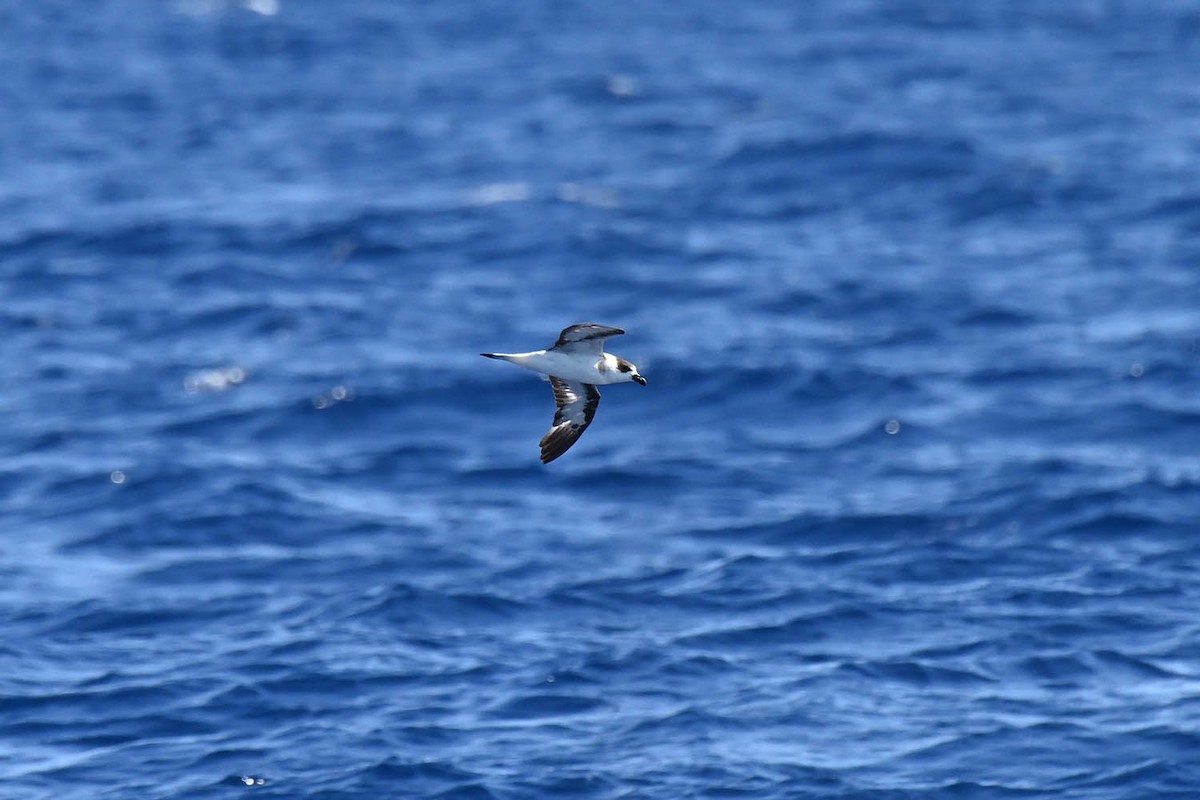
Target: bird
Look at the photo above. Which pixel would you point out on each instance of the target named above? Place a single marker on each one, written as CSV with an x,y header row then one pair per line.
x,y
576,364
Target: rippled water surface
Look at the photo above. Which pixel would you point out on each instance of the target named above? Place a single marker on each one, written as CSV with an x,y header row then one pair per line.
x,y
907,510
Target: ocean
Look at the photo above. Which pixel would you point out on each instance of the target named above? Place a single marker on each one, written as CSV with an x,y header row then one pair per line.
x,y
907,511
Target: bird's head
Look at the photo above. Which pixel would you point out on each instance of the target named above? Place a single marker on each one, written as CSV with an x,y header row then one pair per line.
x,y
629,370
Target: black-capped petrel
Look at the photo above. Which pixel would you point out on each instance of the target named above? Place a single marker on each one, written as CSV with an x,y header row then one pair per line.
x,y
575,365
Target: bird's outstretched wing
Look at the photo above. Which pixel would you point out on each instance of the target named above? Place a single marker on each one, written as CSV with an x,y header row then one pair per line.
x,y
585,337
576,406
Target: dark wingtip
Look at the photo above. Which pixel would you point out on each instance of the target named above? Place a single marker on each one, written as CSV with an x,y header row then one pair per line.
x,y
556,442
551,452
489,355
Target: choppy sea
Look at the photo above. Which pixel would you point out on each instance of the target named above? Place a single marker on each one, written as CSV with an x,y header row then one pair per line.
x,y
908,510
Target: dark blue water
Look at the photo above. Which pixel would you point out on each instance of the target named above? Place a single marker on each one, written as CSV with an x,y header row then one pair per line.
x,y
908,509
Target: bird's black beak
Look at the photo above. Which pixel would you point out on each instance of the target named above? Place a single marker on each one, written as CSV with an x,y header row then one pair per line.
x,y
640,379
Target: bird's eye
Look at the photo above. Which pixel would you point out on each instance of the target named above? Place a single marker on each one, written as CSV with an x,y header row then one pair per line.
x,y
623,367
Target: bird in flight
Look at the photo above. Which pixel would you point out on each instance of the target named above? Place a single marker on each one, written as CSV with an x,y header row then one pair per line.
x,y
576,364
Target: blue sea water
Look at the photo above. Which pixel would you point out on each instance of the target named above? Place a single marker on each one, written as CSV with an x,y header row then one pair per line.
x,y
908,509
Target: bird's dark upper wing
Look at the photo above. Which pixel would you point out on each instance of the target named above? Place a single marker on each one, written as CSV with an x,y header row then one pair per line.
x,y
576,406
585,337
